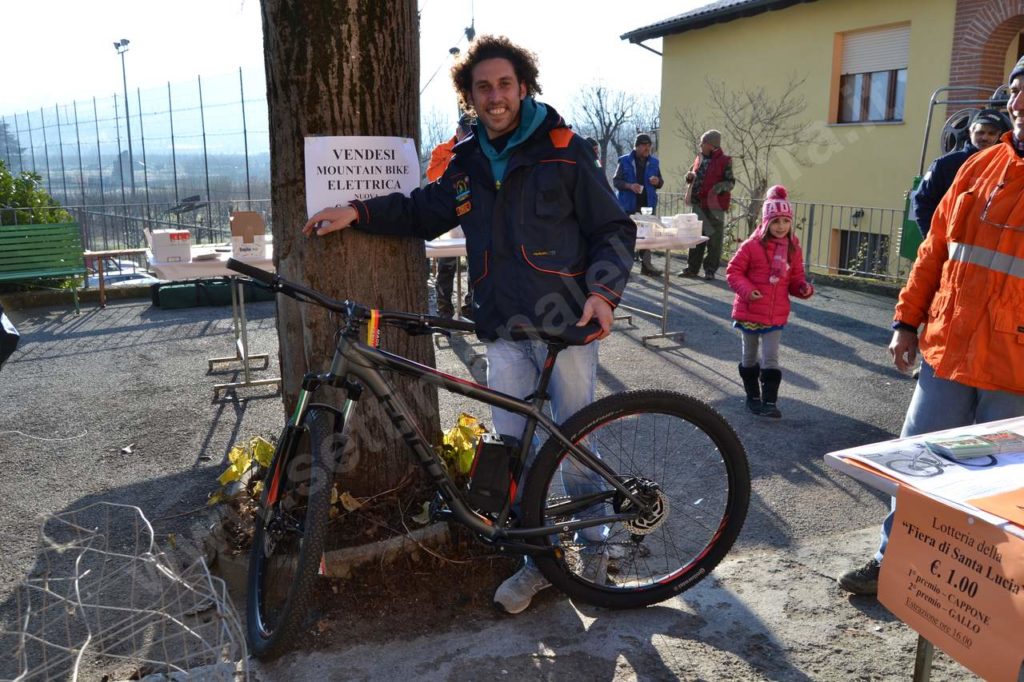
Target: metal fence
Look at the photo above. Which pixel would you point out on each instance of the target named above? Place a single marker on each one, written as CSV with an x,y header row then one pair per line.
x,y
837,240
188,154
203,138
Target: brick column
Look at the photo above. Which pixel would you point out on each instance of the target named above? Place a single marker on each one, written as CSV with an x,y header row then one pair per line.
x,y
982,33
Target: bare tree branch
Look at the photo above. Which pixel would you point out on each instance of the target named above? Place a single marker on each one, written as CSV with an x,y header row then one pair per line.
x,y
602,113
756,126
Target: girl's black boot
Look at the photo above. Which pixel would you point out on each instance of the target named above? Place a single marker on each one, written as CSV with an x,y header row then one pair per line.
x,y
750,385
770,380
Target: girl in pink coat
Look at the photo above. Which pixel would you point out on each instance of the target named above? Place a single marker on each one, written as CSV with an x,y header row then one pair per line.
x,y
764,272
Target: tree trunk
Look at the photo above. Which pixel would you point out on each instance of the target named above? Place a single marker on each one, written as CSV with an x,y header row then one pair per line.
x,y
345,68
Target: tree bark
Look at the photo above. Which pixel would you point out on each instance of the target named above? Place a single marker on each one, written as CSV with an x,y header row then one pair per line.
x,y
345,68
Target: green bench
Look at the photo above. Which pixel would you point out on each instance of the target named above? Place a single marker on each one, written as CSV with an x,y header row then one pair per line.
x,y
30,252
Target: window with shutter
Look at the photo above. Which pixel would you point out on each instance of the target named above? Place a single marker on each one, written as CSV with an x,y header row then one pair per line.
x,y
873,74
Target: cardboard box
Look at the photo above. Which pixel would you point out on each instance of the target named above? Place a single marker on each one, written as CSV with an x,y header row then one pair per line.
x,y
170,246
248,235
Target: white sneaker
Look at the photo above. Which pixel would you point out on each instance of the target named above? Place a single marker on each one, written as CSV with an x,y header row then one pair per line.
x,y
515,594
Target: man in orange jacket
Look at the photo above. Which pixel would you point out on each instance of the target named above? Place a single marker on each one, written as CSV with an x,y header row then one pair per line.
x,y
447,267
967,289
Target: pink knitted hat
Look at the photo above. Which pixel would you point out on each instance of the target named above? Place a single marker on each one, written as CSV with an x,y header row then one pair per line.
x,y
776,205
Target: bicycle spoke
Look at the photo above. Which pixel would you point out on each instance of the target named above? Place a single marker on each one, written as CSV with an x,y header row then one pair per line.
x,y
688,512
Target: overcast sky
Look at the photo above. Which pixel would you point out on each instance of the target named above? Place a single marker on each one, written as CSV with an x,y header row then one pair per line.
x,y
57,51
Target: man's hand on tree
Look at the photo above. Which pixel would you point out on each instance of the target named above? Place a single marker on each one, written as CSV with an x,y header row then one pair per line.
x,y
600,311
330,220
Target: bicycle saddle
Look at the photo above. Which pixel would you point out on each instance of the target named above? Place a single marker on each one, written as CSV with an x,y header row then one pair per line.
x,y
569,336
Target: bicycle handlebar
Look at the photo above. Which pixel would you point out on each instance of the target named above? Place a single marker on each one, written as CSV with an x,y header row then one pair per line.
x,y
252,271
410,322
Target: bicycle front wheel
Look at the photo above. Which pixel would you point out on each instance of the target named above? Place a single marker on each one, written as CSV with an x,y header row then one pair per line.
x,y
675,453
288,542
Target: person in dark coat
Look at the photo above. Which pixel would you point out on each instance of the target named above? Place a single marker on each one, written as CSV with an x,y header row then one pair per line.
x,y
985,129
548,245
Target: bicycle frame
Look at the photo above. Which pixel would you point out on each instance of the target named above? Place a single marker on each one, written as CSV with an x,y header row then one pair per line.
x,y
363,363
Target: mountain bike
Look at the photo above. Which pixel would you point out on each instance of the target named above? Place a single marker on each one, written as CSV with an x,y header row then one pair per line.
x,y
658,477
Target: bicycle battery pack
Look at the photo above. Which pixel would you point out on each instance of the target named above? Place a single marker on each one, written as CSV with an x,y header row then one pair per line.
x,y
490,479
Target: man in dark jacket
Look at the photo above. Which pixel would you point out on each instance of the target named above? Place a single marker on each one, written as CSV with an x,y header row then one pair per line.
x,y
547,244
638,179
711,182
986,127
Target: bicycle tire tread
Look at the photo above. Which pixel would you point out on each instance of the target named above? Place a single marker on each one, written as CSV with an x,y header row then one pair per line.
x,y
300,594
699,413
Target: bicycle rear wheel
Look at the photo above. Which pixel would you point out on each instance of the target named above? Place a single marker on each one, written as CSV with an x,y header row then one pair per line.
x,y
673,451
288,542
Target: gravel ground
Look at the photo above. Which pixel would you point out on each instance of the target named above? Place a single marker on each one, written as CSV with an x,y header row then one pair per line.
x,y
81,389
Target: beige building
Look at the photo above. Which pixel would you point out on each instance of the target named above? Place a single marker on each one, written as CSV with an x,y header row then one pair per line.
x,y
868,70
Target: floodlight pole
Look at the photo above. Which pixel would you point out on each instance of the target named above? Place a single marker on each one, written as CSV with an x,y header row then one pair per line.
x,y
122,46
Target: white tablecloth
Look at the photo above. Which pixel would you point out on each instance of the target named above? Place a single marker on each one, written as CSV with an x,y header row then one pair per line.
x,y
212,262
447,248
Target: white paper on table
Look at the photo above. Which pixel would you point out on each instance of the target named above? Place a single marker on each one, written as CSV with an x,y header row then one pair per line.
x,y
340,169
909,460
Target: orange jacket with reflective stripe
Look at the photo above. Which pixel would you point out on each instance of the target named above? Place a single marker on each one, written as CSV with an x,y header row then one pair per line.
x,y
967,284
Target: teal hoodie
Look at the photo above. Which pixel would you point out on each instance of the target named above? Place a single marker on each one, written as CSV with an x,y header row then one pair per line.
x,y
531,115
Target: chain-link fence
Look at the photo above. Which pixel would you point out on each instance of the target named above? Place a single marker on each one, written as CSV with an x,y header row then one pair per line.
x,y
206,139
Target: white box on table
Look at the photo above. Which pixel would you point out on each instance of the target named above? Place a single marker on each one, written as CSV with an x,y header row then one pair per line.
x,y
170,246
248,235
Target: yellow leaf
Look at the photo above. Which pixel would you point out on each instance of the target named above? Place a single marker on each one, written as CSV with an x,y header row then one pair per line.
x,y
262,451
468,420
257,489
465,461
236,454
215,498
349,503
172,540
232,473
460,442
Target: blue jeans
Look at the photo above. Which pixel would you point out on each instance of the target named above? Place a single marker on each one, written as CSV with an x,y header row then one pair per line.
x,y
940,404
513,367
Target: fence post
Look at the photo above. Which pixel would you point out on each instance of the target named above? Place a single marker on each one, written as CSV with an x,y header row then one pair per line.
x,y
78,142
120,165
46,150
206,162
174,156
810,235
99,163
245,137
60,145
17,133
7,145
145,166
31,142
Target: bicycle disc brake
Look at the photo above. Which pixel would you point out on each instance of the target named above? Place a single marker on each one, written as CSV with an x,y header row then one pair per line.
x,y
653,498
